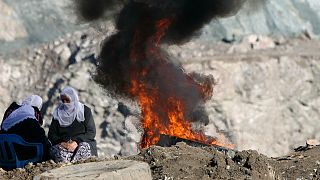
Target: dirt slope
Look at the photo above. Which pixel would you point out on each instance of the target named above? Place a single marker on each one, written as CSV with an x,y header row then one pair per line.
x,y
185,162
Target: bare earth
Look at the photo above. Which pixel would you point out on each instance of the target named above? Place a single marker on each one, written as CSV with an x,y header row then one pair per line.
x,y
185,162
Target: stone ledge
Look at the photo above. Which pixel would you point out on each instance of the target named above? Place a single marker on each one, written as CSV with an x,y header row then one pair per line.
x,y
115,170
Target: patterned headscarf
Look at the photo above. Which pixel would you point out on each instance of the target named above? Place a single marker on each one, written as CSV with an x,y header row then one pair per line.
x,y
66,113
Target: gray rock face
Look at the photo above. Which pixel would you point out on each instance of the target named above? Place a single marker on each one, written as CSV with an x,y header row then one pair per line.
x,y
11,26
277,18
36,21
265,99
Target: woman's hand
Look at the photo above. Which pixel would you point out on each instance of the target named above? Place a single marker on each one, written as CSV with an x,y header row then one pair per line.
x,y
64,145
70,146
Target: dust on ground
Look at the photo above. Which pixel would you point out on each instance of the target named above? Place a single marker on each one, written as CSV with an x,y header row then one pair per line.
x,y
186,162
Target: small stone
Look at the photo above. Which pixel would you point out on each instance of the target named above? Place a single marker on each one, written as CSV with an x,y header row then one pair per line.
x,y
56,43
86,43
116,157
231,154
66,53
29,165
312,142
52,161
20,169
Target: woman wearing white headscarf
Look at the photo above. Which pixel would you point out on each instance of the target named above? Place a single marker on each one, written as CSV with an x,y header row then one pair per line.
x,y
72,130
29,108
25,120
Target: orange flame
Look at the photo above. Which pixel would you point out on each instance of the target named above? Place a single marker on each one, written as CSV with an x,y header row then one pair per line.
x,y
162,116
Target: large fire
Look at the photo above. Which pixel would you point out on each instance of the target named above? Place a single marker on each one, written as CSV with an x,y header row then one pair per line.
x,y
132,64
163,114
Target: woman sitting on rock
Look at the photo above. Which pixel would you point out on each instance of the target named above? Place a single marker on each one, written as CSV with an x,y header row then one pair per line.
x,y
72,130
25,120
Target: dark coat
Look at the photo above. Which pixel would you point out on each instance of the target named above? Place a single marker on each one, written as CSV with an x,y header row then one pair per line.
x,y
78,131
30,130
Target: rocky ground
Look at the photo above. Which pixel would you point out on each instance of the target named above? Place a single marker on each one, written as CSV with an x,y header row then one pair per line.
x,y
185,162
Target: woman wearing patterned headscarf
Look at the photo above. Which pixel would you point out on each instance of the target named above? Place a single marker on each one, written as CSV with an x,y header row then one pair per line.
x,y
72,130
25,120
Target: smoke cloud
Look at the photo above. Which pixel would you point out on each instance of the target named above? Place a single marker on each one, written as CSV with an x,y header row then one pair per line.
x,y
90,10
187,17
133,54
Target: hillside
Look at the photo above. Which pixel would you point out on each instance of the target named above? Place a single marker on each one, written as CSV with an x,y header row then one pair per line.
x,y
266,96
266,89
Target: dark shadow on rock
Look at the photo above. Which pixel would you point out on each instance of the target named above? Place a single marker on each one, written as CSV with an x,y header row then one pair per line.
x,y
123,109
104,126
91,58
50,94
75,50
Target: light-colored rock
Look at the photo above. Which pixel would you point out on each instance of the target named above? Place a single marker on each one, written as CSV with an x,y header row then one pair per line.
x,y
64,52
268,19
313,142
80,82
11,26
113,170
132,124
262,98
129,148
109,146
252,42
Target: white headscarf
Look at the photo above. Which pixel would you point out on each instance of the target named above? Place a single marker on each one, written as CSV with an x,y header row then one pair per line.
x,y
33,100
25,111
66,113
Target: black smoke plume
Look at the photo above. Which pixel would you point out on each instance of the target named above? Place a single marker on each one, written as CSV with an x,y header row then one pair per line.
x,y
187,16
134,51
93,9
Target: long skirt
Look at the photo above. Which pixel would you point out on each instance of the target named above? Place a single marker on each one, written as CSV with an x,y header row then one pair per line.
x,y
60,154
